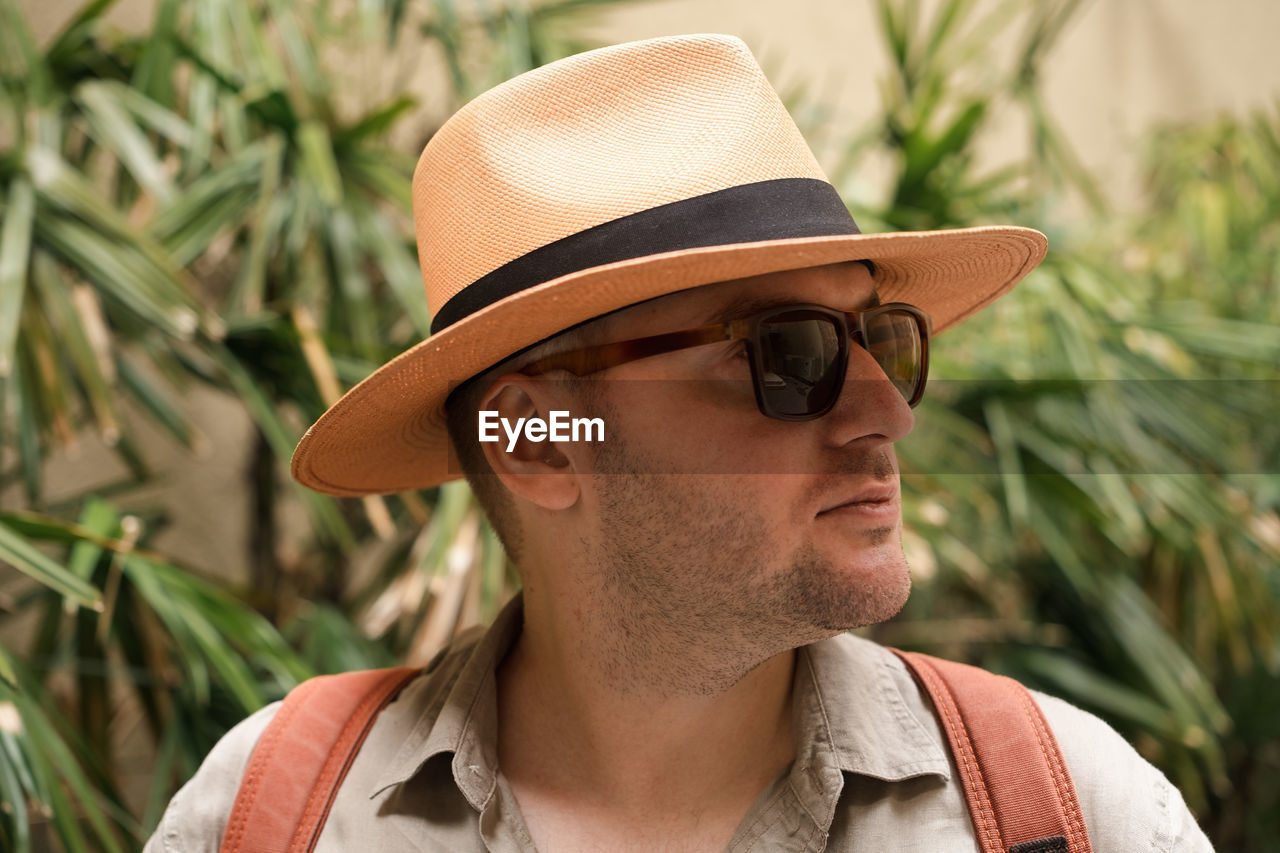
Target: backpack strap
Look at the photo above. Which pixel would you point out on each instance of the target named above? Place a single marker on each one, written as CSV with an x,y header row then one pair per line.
x,y
301,759
1015,780
1020,795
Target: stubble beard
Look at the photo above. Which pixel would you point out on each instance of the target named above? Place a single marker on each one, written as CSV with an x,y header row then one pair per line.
x,y
691,596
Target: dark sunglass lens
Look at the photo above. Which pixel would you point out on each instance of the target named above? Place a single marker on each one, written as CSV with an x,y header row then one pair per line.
x,y
894,341
799,360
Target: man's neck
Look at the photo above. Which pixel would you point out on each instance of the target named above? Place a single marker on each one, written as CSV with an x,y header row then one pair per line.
x,y
578,736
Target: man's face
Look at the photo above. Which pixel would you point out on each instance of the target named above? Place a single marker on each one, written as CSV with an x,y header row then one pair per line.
x,y
776,533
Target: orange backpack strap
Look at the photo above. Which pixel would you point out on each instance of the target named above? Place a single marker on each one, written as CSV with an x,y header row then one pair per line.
x,y
301,759
1020,795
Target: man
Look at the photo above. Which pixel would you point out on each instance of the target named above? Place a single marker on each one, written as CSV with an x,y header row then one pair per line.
x,y
639,235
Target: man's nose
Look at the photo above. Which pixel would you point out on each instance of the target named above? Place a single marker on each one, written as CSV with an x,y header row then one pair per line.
x,y
870,405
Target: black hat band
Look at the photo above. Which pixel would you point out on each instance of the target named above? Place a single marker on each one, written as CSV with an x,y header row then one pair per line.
x,y
785,208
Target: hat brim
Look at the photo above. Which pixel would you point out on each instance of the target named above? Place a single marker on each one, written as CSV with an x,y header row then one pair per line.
x,y
387,434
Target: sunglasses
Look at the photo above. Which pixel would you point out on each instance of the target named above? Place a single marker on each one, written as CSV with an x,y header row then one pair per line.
x,y
798,353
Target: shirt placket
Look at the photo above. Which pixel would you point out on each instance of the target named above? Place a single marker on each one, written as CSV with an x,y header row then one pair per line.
x,y
795,814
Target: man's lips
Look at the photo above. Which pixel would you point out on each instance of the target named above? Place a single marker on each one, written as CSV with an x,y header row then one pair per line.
x,y
875,496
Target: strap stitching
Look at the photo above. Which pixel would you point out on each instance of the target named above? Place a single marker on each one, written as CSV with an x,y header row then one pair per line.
x,y
248,794
1067,800
1065,792
974,780
323,793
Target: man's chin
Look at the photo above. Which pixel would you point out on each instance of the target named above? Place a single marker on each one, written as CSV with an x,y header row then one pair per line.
x,y
832,598
873,584
868,610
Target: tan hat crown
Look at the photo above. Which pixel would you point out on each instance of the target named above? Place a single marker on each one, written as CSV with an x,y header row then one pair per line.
x,y
600,181
592,138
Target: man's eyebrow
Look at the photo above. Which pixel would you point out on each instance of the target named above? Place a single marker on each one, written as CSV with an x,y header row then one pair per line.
x,y
746,307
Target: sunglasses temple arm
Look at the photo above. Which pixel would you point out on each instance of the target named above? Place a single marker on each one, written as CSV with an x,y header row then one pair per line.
x,y
583,362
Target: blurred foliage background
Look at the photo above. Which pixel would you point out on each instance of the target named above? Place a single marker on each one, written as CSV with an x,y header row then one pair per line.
x,y
1091,491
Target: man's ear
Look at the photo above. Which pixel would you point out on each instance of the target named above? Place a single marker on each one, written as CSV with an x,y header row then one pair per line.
x,y
538,471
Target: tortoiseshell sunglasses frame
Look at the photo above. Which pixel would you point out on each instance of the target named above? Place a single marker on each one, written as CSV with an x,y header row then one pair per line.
x,y
593,359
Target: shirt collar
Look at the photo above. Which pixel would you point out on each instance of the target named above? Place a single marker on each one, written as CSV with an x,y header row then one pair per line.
x,y
858,697
850,715
460,711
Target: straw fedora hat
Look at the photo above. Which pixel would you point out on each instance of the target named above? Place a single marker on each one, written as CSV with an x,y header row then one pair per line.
x,y
600,181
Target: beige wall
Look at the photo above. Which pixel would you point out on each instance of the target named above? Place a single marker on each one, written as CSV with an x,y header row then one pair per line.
x,y
1122,66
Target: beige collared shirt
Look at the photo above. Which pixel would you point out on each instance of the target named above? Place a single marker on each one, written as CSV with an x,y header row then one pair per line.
x,y
871,773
